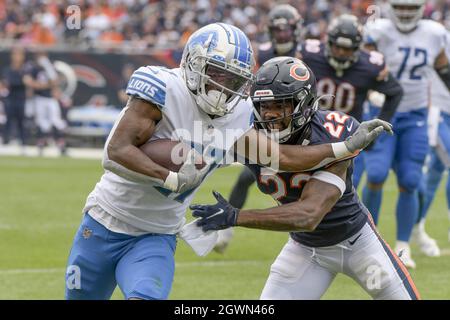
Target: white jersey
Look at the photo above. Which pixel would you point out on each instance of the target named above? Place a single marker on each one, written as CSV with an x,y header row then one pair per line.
x,y
440,95
409,56
148,206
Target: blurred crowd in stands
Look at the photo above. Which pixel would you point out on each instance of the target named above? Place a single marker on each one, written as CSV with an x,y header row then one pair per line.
x,y
28,28
138,25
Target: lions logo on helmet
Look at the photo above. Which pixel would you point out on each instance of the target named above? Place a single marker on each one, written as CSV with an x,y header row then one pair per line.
x,y
217,66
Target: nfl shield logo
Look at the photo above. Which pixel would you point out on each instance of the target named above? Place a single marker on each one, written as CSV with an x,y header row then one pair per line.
x,y
87,233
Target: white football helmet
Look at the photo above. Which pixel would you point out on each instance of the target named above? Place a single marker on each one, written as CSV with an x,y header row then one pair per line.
x,y
217,65
406,13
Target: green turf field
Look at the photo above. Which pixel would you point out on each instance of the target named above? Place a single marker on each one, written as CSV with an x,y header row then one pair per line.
x,y
41,202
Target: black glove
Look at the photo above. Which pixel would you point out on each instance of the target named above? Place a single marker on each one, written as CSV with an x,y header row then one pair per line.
x,y
221,215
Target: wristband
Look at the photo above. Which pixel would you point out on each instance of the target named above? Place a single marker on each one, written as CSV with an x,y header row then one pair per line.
x,y
340,150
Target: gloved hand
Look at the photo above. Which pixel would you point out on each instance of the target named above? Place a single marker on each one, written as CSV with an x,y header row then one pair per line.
x,y
367,132
221,215
188,177
370,146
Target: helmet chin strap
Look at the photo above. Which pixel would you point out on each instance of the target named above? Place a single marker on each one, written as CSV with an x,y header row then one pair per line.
x,y
279,136
214,103
284,134
283,48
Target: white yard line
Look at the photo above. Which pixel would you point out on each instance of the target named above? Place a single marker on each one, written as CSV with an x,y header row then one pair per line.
x,y
207,264
6,272
51,152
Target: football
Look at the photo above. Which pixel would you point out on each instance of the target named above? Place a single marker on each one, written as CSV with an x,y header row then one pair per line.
x,y
168,153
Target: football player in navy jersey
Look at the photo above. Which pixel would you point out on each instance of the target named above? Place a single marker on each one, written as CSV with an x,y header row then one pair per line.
x,y
284,32
330,229
345,73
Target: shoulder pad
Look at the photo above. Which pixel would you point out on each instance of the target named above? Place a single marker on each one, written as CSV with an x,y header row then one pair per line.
x,y
149,83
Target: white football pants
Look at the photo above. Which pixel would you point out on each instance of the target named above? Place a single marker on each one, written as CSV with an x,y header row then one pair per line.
x,y
48,114
302,272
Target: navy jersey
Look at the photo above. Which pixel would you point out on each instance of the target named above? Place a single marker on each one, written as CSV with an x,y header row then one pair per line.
x,y
39,74
13,80
348,215
266,51
348,92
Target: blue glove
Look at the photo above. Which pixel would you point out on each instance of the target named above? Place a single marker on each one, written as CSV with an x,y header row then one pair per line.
x,y
221,215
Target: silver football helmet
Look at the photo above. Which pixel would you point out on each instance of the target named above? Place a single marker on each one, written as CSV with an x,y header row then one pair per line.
x,y
406,13
217,65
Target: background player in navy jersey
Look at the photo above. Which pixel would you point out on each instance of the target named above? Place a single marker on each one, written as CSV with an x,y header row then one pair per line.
x,y
43,79
284,32
345,73
330,229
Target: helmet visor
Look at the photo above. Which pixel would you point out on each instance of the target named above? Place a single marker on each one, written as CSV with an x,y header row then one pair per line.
x,y
282,33
221,79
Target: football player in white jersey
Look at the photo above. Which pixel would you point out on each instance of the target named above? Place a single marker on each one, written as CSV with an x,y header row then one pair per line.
x,y
439,160
133,215
412,46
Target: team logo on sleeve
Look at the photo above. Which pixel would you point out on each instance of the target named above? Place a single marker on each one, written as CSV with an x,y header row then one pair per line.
x,y
299,72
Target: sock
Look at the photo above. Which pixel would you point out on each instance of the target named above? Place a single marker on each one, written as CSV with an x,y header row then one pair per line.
x,y
422,198
407,212
400,246
372,200
432,179
421,225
